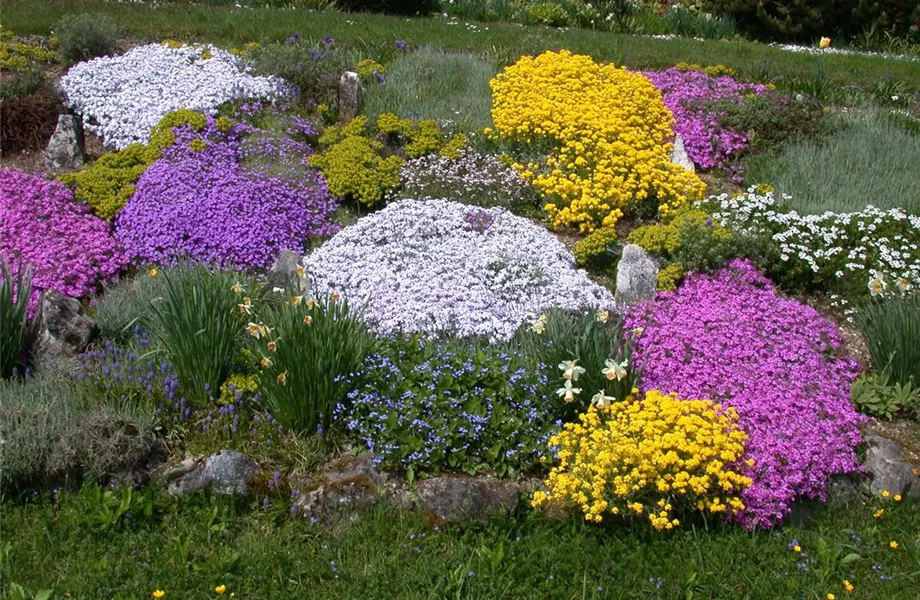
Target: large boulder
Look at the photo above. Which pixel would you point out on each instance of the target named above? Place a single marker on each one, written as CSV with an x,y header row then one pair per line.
x,y
226,472
637,276
61,330
889,470
463,500
65,149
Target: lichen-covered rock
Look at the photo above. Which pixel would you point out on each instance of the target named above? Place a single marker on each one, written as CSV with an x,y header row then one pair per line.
x,y
637,276
463,500
65,149
61,328
352,481
889,470
226,472
284,273
351,95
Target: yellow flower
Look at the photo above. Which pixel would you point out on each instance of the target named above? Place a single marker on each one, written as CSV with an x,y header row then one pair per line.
x,y
796,548
897,497
154,272
893,544
158,593
603,315
220,589
831,597
273,345
295,300
885,493
245,307
282,378
265,362
300,271
847,585
824,43
879,513
336,297
307,320
254,330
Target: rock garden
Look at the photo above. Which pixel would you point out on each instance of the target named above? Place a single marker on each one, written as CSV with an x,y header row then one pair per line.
x,y
476,300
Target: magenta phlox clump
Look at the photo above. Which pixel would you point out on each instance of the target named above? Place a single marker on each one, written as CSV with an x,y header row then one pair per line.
x,y
730,337
686,93
65,246
201,202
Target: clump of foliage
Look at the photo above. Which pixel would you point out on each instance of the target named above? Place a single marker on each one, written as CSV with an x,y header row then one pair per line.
x,y
361,160
85,36
598,249
651,455
875,396
30,111
306,348
425,407
15,290
198,327
586,180
771,119
23,55
891,326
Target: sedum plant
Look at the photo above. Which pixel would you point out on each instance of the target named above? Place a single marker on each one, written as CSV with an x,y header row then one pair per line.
x,y
14,315
650,455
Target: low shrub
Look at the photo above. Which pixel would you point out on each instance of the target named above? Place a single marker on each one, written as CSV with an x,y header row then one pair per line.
x,y
121,98
873,395
426,407
313,70
586,180
731,338
126,303
306,348
43,229
421,266
198,328
471,178
891,327
391,7
30,111
51,436
771,119
199,202
15,291
85,36
652,455
18,55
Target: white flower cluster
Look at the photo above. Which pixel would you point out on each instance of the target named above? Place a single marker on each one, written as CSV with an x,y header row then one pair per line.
x,y
121,97
419,266
874,243
845,51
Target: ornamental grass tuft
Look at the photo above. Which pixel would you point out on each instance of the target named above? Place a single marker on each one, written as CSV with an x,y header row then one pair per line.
x,y
14,316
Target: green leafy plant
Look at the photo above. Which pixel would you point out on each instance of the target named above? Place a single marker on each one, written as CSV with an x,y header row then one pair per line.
x,y
14,315
306,347
891,326
198,327
873,395
86,36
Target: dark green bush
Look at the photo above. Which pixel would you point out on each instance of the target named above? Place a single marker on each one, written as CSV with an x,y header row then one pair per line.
x,y
390,7
773,118
85,36
808,20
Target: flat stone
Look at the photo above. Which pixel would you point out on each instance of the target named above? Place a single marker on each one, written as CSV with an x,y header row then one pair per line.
x,y
65,149
637,276
463,500
889,470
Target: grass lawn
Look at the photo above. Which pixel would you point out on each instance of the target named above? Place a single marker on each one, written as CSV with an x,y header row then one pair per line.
x,y
80,547
827,76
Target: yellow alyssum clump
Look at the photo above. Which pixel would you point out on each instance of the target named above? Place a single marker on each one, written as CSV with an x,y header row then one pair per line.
x,y
610,130
646,455
367,67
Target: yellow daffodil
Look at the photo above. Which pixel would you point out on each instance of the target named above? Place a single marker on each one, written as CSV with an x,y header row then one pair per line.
x,y
904,284
603,315
245,307
568,392
220,589
824,43
236,288
265,362
282,378
538,326
307,320
295,300
615,370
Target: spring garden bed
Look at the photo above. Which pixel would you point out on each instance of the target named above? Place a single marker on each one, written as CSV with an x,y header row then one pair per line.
x,y
442,301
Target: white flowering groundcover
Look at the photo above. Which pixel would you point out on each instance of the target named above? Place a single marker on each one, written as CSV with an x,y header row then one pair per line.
x,y
121,97
435,265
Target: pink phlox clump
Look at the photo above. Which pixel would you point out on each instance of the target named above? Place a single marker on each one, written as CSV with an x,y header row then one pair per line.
x,y
730,337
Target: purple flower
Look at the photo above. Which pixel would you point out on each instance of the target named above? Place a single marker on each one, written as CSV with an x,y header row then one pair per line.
x,y
401,45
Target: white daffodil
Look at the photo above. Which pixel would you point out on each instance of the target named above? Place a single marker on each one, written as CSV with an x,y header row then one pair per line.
x,y
254,330
570,370
603,315
237,288
904,285
877,285
538,326
246,306
602,400
568,392
615,370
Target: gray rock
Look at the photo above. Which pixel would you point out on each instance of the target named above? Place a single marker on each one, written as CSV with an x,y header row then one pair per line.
x,y
62,330
843,490
888,469
65,150
283,273
462,500
353,482
351,96
226,472
679,155
637,276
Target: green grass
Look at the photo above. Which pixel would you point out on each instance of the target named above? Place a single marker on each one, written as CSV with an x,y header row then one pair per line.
x,y
86,547
375,34
870,161
433,84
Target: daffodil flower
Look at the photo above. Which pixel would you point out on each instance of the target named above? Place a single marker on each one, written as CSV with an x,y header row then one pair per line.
x,y
307,320
603,315
282,378
265,362
601,400
568,392
615,370
254,330
273,345
903,284
311,303
300,271
570,370
877,285
237,288
295,300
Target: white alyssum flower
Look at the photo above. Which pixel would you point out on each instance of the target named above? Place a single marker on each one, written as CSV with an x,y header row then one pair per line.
x,y
417,266
121,97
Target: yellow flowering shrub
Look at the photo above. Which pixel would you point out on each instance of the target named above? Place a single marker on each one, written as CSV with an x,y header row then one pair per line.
x,y
593,247
368,67
237,383
609,129
668,277
712,70
649,456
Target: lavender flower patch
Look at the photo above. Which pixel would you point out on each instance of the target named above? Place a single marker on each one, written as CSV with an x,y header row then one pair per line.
x,y
473,178
121,97
200,202
418,266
